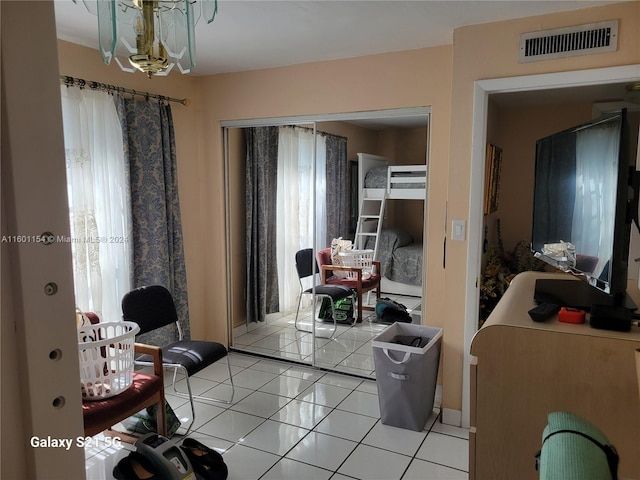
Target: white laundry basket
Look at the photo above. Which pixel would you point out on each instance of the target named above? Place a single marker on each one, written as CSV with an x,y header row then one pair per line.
x,y
358,258
106,358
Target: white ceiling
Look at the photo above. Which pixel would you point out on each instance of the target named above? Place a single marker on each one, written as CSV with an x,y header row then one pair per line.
x,y
249,35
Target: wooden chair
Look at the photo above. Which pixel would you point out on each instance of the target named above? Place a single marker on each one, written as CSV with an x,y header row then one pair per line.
x,y
359,285
146,390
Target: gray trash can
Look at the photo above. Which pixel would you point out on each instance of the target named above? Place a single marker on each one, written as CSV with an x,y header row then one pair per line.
x,y
406,375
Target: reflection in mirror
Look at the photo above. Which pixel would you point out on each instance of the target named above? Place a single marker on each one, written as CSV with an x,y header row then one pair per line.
x,y
275,209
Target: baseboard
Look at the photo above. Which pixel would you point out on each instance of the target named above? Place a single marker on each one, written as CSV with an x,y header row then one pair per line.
x,y
452,417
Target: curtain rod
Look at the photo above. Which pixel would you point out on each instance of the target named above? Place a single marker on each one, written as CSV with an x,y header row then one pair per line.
x,y
319,132
104,87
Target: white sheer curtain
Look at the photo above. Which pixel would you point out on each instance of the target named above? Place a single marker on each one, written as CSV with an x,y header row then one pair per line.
x,y
98,201
295,215
596,178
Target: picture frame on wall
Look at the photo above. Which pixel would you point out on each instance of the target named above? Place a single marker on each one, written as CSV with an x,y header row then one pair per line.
x,y
492,179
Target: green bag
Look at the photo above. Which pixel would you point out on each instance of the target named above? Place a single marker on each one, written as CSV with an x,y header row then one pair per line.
x,y
343,308
145,420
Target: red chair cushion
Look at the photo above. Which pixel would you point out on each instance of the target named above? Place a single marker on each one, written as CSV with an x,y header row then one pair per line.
x,y
143,388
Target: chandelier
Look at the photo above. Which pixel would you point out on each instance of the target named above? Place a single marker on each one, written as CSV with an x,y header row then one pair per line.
x,y
152,36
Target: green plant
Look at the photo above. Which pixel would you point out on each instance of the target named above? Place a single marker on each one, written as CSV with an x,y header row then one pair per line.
x,y
500,269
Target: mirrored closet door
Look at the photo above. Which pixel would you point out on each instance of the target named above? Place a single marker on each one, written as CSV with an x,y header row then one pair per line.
x,y
292,187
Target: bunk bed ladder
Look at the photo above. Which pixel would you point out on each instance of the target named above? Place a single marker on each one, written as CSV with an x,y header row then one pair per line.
x,y
370,222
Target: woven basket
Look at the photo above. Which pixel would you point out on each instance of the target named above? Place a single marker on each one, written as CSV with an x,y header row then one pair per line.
x,y
106,358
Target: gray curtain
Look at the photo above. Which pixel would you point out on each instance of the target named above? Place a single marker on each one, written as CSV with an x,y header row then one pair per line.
x,y
337,175
158,254
552,224
261,196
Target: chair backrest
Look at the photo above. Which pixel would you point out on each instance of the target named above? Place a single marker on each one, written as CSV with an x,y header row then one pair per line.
x,y
324,258
150,307
304,263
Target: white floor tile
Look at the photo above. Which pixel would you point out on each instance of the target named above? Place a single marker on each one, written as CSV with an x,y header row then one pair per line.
x,y
286,386
247,339
450,430
271,366
321,450
231,426
399,440
340,380
445,450
303,414
290,421
241,360
305,373
204,413
344,344
198,385
223,391
287,469
359,361
252,379
260,351
275,437
346,425
368,386
327,395
371,463
260,404
423,470
269,329
330,357
362,403
218,372
245,463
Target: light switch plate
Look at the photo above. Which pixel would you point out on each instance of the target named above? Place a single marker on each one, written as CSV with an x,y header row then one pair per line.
x,y
458,229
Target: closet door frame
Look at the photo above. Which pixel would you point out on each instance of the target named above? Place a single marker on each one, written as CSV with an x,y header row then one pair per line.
x,y
371,115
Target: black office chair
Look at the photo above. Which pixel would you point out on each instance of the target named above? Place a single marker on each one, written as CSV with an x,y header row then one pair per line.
x,y
152,307
305,262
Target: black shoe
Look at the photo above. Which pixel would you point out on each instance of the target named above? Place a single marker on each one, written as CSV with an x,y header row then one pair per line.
x,y
135,466
207,463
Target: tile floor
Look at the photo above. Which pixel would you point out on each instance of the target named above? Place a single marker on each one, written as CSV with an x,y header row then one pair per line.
x,y
349,350
294,422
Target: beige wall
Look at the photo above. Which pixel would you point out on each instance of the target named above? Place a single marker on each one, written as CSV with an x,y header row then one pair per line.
x,y
360,140
352,85
440,77
498,43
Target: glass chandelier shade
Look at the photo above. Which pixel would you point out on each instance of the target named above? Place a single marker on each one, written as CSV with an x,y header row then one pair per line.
x,y
152,36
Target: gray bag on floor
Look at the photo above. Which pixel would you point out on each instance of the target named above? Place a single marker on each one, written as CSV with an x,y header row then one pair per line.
x,y
406,375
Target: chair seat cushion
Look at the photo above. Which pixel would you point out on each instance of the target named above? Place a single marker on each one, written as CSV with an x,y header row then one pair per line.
x,y
143,388
193,355
336,292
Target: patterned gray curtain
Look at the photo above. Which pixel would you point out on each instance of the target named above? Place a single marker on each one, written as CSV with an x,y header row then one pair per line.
x,y
261,198
337,188
158,254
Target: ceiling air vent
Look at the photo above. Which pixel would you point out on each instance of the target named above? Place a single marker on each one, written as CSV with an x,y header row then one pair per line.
x,y
569,42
